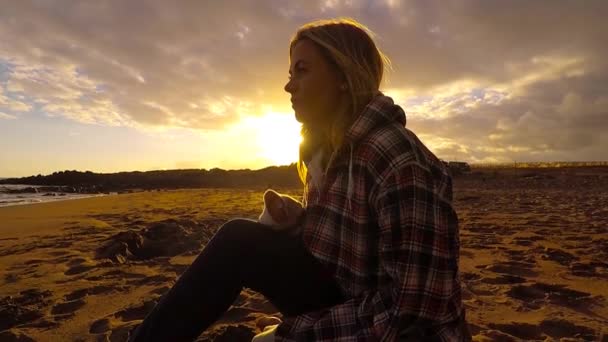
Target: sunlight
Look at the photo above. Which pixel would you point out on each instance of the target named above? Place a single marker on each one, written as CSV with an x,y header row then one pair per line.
x,y
277,136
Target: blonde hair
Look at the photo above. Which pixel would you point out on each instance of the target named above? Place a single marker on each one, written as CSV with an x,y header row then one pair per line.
x,y
349,47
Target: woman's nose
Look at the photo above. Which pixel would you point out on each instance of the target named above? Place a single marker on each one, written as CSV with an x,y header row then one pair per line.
x,y
290,86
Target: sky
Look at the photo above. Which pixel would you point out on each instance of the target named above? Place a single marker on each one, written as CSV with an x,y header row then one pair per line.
x,y
112,86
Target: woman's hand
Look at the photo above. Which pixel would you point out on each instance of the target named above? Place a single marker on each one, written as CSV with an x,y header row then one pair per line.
x,y
266,321
268,325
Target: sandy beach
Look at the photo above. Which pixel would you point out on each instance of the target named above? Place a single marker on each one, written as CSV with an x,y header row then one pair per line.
x,y
534,258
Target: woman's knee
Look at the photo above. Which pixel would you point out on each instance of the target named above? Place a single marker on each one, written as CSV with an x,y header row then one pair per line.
x,y
228,243
237,230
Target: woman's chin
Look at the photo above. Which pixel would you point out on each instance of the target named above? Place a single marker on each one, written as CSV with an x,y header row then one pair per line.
x,y
304,117
299,117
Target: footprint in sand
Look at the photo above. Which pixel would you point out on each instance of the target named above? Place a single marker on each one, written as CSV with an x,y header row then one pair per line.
x,y
117,326
11,278
95,290
67,308
79,265
178,269
27,269
58,253
559,328
521,256
525,241
12,315
79,269
23,309
559,256
110,332
469,276
137,312
117,275
161,290
504,279
100,326
524,331
481,241
16,336
34,262
518,268
536,295
553,328
158,279
590,269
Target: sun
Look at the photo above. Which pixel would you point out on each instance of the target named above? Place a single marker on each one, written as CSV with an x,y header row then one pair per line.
x,y
277,136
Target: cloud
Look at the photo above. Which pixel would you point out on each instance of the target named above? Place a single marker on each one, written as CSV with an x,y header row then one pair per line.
x,y
481,80
11,103
119,58
7,116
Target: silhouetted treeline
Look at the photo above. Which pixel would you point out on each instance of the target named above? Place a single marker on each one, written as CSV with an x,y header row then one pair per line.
x,y
274,176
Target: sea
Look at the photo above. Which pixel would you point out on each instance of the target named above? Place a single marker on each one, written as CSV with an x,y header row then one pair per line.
x,y
7,199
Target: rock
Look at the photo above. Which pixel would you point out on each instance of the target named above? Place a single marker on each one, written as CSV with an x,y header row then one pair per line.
x,y
121,246
116,251
166,230
160,239
28,190
133,239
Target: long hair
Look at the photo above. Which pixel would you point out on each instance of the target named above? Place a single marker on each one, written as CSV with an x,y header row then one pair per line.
x,y
348,46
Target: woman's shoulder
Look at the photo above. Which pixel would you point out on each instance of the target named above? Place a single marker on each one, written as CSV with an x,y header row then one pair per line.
x,y
389,141
395,145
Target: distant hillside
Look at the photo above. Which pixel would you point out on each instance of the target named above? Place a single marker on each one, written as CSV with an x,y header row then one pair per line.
x,y
275,176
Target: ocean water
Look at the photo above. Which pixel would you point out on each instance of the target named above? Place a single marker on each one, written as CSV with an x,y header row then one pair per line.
x,y
39,197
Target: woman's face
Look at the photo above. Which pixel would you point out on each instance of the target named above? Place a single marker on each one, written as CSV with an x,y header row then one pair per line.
x,y
314,84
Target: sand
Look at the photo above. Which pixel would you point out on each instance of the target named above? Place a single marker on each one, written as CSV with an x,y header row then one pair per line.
x,y
534,259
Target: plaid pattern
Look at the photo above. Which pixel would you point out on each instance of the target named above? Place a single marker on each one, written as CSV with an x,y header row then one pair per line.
x,y
393,247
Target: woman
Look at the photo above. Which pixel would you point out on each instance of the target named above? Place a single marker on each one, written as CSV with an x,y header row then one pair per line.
x,y
377,259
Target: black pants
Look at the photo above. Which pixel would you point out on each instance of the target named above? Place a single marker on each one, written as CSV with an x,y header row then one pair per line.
x,y
243,253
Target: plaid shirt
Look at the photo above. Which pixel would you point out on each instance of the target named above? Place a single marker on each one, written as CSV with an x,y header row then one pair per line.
x,y
391,242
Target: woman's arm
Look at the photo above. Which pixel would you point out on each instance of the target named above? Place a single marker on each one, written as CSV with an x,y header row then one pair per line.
x,y
417,255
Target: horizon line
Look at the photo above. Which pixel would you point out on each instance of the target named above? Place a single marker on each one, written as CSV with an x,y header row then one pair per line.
x,y
488,164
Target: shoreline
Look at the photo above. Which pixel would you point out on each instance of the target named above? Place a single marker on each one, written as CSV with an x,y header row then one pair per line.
x,y
24,194
53,198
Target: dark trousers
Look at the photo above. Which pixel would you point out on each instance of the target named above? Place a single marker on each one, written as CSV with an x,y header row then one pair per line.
x,y
243,253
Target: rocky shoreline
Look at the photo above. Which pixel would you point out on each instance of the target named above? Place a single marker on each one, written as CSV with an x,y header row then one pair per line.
x,y
60,189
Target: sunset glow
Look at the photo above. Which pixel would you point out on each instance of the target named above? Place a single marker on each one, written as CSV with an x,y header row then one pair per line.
x,y
154,85
277,137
